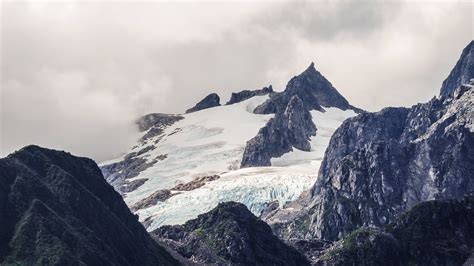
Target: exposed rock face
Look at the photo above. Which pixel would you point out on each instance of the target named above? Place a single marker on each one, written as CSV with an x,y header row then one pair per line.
x,y
380,164
211,100
164,194
462,72
229,234
155,123
291,128
195,183
431,233
153,199
117,174
57,209
132,164
312,88
237,97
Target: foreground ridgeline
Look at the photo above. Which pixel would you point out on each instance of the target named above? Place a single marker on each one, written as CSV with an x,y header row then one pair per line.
x,y
57,209
431,233
229,234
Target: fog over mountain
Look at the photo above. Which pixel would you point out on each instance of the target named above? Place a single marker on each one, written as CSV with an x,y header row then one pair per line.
x,y
75,75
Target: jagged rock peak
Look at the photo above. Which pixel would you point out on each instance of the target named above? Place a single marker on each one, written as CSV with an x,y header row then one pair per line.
x,y
312,88
462,72
211,100
247,94
57,209
311,69
229,234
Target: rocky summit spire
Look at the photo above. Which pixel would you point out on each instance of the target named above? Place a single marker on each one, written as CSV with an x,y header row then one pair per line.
x,y
312,88
462,72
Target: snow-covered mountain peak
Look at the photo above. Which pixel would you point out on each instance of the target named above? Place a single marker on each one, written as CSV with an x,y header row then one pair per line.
x,y
184,165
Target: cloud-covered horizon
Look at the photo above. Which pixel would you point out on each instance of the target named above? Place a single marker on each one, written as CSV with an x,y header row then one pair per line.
x,y
75,75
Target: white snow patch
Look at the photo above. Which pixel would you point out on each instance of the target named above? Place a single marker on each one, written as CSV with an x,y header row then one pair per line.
x,y
206,142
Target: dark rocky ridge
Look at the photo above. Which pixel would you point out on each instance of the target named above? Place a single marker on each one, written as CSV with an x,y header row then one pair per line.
x,y
312,88
431,233
228,234
211,100
291,128
461,73
237,97
57,209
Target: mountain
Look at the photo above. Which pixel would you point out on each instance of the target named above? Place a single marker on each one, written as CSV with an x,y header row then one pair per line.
x,y
310,86
430,233
378,165
57,209
229,234
211,100
462,72
232,142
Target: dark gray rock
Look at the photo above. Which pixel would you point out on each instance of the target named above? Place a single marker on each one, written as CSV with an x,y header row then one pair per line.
x,y
153,199
229,234
211,100
291,128
57,209
155,123
431,233
461,73
148,121
237,97
117,174
378,165
312,88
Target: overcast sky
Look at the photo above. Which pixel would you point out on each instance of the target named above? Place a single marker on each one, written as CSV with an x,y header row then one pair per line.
x,y
75,75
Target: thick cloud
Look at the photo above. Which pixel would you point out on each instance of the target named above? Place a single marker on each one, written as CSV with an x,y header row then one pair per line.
x,y
76,75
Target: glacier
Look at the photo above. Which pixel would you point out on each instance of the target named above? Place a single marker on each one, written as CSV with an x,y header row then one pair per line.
x,y
212,141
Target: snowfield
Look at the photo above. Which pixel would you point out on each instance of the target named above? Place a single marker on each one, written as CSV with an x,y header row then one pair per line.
x,y
212,141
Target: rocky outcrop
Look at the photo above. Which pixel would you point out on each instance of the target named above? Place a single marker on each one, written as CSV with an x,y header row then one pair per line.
x,y
195,183
211,100
312,88
153,199
57,209
237,97
155,123
291,128
461,73
229,234
164,194
118,174
431,233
